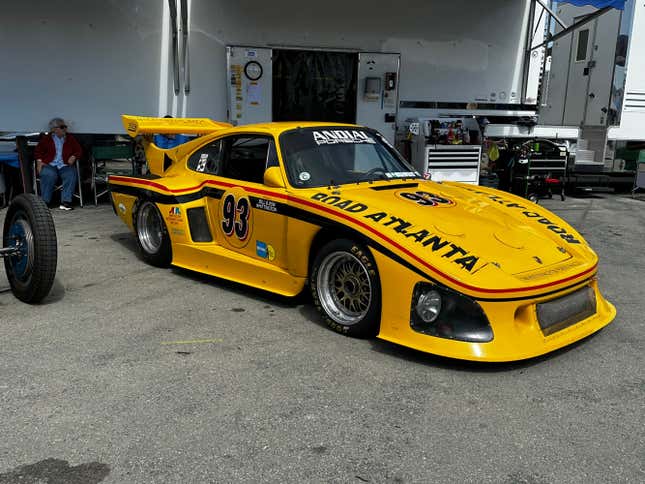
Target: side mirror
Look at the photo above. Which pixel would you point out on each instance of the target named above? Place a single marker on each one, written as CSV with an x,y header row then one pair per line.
x,y
273,177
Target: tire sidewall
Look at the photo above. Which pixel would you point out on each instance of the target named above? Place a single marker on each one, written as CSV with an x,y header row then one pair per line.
x,y
33,210
369,325
163,256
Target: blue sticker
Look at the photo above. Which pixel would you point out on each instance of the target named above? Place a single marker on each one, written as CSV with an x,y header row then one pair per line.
x,y
261,249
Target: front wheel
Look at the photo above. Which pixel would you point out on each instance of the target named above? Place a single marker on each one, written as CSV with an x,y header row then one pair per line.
x,y
152,235
29,230
346,288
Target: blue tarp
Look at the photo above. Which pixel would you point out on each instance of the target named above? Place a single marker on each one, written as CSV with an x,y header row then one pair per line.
x,y
619,4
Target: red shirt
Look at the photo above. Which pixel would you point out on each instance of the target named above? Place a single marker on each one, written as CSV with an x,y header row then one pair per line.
x,y
46,149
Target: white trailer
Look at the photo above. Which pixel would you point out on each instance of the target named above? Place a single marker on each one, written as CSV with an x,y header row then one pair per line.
x,y
89,61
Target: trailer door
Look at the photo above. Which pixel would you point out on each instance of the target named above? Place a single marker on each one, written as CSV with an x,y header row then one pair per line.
x,y
249,79
378,92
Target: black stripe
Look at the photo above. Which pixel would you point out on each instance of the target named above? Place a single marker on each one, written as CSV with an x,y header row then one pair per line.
x,y
448,165
320,221
166,199
480,105
395,187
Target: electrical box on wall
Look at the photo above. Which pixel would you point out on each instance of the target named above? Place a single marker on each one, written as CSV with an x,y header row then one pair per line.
x,y
390,81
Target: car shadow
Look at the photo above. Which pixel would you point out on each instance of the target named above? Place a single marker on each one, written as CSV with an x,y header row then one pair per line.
x,y
261,295
126,239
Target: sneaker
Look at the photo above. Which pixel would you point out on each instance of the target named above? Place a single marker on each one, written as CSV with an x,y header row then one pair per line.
x,y
66,206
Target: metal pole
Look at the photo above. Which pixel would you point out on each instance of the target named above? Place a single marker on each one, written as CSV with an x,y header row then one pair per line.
x,y
548,9
568,30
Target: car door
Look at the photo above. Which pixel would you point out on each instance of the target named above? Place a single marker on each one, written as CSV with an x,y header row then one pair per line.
x,y
249,219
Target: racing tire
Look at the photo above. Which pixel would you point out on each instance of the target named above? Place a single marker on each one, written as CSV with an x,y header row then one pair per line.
x,y
152,234
346,288
30,227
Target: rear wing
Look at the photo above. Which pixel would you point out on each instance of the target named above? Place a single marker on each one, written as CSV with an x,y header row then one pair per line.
x,y
160,160
136,125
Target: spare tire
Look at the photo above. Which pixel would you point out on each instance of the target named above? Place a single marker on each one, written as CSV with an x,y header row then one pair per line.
x,y
29,228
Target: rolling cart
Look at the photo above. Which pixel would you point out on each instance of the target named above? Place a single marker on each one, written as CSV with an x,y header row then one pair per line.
x,y
539,170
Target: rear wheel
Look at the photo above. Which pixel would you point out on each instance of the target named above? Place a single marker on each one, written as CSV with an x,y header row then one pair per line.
x,y
29,229
346,288
152,234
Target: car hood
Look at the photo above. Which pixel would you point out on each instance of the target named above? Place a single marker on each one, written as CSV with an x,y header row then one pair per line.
x,y
477,236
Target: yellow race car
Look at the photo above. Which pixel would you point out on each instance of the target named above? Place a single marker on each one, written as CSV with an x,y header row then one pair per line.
x,y
446,268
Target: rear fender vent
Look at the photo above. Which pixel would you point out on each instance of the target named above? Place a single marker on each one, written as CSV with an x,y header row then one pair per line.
x,y
199,229
167,161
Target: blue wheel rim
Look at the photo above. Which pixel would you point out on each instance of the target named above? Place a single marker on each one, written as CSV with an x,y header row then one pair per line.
x,y
20,237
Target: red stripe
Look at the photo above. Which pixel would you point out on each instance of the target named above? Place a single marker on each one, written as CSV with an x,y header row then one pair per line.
x,y
360,224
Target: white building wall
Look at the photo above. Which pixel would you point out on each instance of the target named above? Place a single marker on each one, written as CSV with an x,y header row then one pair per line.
x,y
632,122
91,60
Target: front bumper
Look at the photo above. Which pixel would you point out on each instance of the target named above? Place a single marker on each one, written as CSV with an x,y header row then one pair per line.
x,y
516,332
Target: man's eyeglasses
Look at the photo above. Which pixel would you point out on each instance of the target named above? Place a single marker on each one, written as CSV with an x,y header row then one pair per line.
x,y
62,126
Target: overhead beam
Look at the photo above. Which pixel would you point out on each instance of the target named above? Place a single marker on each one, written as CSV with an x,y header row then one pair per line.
x,y
548,9
573,27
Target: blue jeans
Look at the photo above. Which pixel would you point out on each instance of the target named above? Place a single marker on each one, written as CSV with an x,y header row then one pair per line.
x,y
49,177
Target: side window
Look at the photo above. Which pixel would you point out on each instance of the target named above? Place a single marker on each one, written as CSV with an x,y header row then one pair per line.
x,y
246,157
583,43
207,159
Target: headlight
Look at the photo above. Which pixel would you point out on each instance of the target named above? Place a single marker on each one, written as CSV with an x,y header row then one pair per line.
x,y
428,306
439,312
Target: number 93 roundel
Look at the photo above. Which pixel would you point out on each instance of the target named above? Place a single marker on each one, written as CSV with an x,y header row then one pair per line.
x,y
236,222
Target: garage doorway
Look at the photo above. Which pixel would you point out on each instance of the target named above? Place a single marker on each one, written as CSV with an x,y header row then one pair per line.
x,y
314,85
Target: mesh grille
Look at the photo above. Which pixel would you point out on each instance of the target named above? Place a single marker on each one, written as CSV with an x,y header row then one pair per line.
x,y
567,310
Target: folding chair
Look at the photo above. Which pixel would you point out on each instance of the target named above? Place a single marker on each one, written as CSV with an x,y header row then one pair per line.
x,y
108,160
59,187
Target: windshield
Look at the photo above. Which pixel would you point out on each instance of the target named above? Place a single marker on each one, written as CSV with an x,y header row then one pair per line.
x,y
316,157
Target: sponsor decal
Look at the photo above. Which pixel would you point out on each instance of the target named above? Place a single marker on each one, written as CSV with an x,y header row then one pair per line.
x,y
174,216
261,249
426,199
554,271
178,232
264,250
122,208
434,243
531,215
402,174
266,205
201,165
344,136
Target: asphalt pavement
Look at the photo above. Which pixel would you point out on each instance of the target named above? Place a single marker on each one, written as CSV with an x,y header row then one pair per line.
x,y
133,374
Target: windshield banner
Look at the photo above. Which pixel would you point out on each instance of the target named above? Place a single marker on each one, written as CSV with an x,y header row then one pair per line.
x,y
345,136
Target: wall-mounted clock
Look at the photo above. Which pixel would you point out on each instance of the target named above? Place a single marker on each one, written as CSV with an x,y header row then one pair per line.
x,y
253,70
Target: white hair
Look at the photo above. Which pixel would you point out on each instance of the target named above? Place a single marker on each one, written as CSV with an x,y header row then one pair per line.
x,y
54,123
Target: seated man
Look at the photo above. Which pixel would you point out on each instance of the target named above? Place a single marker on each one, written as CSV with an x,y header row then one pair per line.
x,y
56,155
